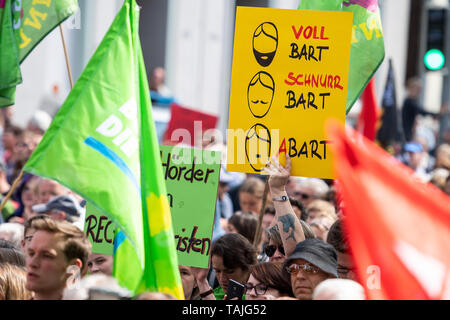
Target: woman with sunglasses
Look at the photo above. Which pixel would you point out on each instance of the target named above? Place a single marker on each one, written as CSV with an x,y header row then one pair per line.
x,y
267,281
289,226
275,249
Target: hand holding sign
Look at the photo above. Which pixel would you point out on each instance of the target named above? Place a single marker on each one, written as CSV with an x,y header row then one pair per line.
x,y
279,175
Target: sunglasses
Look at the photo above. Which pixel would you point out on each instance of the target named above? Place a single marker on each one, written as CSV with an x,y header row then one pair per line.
x,y
295,268
270,250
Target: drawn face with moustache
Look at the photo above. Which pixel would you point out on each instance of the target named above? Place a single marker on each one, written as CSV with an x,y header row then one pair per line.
x,y
260,94
257,146
265,43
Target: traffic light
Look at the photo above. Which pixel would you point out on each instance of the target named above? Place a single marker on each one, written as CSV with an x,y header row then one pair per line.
x,y
434,58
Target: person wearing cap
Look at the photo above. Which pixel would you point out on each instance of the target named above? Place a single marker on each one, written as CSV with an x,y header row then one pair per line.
x,y
63,207
415,154
312,262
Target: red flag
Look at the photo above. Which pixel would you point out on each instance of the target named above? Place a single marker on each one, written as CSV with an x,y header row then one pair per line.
x,y
398,227
194,123
369,114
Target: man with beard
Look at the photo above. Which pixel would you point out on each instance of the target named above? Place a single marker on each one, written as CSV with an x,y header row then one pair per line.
x,y
265,43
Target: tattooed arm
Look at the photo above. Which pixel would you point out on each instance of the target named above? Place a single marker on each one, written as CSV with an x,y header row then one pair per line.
x,y
290,228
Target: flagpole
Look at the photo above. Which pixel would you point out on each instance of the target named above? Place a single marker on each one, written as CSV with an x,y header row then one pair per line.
x,y
13,187
66,56
258,233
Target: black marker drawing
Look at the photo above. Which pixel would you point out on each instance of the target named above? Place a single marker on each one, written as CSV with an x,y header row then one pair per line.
x,y
257,146
265,43
260,94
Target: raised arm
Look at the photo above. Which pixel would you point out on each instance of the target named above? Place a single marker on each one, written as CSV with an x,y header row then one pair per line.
x,y
290,228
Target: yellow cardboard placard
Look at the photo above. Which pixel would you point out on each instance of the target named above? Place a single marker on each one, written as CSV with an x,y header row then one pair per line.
x,y
290,74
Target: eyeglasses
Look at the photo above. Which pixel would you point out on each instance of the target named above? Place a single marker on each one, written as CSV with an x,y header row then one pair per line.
x,y
295,268
270,250
260,288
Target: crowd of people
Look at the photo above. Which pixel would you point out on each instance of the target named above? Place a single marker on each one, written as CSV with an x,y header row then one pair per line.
x,y
291,245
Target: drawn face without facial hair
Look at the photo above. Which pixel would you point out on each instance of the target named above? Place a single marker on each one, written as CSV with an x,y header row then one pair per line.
x,y
260,94
265,43
257,146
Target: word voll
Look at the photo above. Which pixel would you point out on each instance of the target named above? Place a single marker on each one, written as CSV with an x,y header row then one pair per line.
x,y
308,32
188,243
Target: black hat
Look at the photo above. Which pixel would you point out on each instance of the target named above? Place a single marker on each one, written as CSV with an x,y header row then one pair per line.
x,y
316,252
66,203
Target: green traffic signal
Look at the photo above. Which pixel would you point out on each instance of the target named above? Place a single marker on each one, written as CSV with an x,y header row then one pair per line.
x,y
434,59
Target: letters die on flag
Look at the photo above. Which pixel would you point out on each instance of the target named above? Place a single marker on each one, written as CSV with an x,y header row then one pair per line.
x,y
289,75
23,25
398,227
102,144
192,178
367,50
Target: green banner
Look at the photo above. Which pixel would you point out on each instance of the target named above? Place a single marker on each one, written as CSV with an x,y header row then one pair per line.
x,y
23,25
102,144
192,177
367,49
99,229
10,74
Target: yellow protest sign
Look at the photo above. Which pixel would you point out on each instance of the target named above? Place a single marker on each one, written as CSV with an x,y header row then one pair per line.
x,y
290,74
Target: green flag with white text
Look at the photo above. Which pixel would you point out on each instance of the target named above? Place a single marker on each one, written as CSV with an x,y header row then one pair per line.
x,y
23,25
367,49
102,144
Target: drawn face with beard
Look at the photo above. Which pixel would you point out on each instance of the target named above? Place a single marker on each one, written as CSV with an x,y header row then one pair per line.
x,y
260,94
257,146
265,43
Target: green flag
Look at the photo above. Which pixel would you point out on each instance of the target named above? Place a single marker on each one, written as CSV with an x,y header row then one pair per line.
x,y
10,74
102,144
367,49
23,25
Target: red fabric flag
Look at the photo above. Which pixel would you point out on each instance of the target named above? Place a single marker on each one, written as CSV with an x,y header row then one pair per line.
x,y
369,114
398,227
194,123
